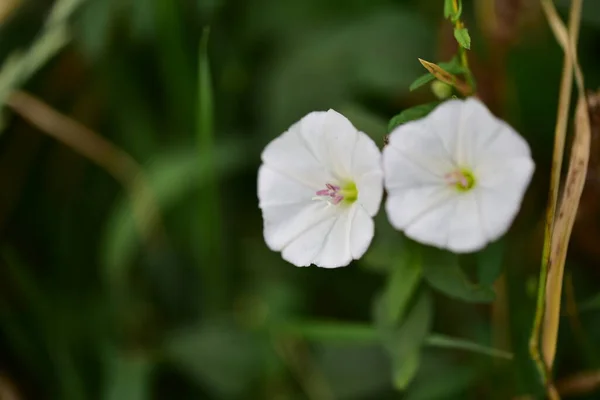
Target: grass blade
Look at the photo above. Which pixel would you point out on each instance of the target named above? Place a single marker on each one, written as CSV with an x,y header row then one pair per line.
x,y
209,222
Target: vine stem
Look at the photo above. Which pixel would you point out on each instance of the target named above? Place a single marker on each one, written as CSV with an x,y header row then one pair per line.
x,y
462,52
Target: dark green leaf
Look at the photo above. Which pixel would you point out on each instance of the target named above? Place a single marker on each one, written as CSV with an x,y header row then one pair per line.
x,y
446,342
128,377
343,370
462,37
404,344
442,377
412,114
331,331
420,81
590,304
217,354
403,281
442,271
489,263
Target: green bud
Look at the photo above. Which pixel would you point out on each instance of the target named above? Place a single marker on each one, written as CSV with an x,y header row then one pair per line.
x,y
441,90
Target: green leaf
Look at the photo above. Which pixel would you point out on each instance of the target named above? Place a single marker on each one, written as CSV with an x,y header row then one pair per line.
x,y
448,9
420,81
221,356
331,331
442,271
343,370
590,304
412,114
403,281
405,370
489,263
446,342
462,37
404,344
442,377
128,377
449,12
453,66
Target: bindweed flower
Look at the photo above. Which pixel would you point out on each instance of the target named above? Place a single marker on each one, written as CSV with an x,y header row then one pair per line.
x,y
456,178
319,186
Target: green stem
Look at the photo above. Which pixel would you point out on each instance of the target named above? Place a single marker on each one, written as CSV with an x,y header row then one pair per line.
x,y
358,333
209,223
462,52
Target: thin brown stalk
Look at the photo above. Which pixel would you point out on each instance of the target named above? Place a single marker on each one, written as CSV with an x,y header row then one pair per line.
x,y
579,384
563,223
545,293
120,165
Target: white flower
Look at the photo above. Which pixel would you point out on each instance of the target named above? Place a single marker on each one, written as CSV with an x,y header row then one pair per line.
x,y
456,178
320,184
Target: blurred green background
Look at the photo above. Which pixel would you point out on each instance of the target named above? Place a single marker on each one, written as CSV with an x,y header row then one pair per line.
x,y
98,302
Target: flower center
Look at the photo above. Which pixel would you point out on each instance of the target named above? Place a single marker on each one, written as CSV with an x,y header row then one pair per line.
x,y
462,179
334,194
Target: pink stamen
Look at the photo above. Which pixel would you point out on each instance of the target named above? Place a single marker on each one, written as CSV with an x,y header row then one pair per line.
x,y
456,177
332,192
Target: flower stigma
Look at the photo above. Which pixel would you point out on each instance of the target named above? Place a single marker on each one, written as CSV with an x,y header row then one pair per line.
x,y
462,179
334,194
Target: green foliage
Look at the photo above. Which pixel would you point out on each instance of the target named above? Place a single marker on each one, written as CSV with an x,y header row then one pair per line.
x,y
489,262
449,11
412,114
462,37
219,355
129,377
443,272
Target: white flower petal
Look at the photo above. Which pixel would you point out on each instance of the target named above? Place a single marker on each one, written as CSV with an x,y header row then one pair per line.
x,y
304,248
407,206
465,230
489,138
287,208
370,191
432,227
293,155
366,157
367,173
403,173
341,138
445,122
497,212
276,189
510,175
336,245
362,230
420,146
